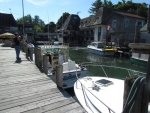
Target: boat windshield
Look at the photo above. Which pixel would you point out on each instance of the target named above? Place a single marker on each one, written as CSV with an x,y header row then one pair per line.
x,y
100,45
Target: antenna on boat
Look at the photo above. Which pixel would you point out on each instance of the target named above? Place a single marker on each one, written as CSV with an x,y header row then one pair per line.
x,y
48,29
23,15
62,27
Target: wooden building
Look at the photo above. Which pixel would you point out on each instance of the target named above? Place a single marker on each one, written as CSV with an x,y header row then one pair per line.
x,y
110,25
7,23
69,32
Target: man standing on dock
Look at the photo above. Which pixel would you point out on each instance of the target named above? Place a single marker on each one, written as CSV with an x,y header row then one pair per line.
x,y
17,46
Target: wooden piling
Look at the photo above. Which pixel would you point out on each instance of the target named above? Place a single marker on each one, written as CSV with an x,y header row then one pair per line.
x,y
26,50
45,63
31,51
59,76
136,108
38,57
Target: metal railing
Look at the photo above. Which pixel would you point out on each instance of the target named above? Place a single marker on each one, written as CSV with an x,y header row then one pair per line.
x,y
85,64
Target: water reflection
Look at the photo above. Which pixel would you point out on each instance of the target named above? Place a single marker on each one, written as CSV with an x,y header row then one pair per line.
x,y
80,55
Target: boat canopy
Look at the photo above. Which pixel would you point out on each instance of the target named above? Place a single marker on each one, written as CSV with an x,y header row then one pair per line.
x,y
97,44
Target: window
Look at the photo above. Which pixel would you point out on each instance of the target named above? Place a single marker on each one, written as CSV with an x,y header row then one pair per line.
x,y
126,22
96,20
114,23
139,23
85,23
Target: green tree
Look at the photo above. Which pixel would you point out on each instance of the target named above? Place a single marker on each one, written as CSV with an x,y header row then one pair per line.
x,y
109,4
143,10
95,6
36,22
38,28
62,20
27,20
51,27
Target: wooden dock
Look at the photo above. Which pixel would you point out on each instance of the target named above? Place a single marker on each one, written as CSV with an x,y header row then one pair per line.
x,y
24,89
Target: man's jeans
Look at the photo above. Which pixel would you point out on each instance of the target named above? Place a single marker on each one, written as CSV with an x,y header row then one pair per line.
x,y
17,49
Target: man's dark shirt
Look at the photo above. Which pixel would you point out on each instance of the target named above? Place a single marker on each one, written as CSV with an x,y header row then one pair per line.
x,y
16,41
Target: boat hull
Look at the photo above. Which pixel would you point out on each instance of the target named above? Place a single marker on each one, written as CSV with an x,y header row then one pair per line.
x,y
69,78
139,59
100,52
138,62
101,100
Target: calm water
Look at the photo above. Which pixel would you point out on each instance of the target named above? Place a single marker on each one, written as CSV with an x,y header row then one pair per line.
x,y
80,55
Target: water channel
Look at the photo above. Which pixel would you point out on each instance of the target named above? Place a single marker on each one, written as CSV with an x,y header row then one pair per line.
x,y
80,55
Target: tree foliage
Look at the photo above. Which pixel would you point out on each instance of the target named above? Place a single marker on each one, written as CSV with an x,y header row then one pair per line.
x,y
36,22
140,9
95,6
40,26
51,27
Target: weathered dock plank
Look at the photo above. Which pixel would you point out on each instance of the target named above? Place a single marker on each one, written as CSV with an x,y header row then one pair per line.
x,y
25,89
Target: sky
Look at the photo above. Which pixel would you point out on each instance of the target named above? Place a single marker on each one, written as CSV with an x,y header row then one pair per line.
x,y
50,10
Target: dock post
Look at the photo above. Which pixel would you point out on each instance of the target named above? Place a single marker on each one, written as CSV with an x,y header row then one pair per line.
x,y
26,50
59,76
38,57
136,108
45,62
35,55
31,53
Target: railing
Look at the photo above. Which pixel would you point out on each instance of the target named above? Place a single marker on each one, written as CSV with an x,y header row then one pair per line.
x,y
85,64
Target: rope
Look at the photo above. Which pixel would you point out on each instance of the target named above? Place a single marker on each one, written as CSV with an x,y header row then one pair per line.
x,y
138,83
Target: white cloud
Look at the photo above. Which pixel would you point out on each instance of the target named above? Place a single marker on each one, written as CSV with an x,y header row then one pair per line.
x,y
66,2
5,0
39,2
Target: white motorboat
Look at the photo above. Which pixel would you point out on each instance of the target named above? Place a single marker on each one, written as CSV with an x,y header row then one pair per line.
x,y
70,69
102,49
102,94
58,55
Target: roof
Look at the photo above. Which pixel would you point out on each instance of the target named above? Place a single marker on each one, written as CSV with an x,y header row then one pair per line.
x,y
129,15
101,16
144,28
84,23
72,22
7,20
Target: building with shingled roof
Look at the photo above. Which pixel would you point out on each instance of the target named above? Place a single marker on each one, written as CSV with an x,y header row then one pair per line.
x,y
69,32
114,26
7,23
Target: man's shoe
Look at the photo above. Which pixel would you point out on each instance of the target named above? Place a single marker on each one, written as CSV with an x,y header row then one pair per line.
x,y
19,59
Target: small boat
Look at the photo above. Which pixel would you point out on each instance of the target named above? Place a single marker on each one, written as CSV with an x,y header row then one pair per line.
x,y
58,55
70,69
102,49
139,59
102,94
